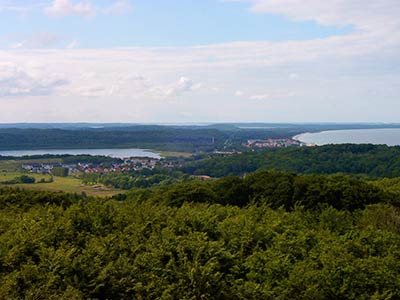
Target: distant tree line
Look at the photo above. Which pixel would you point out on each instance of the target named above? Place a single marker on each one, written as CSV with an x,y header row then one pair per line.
x,y
24,179
173,139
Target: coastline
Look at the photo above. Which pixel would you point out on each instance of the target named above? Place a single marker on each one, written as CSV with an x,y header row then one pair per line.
x,y
298,138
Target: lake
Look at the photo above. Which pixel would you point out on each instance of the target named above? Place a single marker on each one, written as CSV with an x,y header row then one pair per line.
x,y
118,153
388,136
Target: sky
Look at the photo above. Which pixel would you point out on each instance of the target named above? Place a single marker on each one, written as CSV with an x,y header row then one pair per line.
x,y
172,61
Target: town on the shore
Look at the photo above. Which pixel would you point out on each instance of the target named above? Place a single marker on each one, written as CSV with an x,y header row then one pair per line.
x,y
140,163
125,164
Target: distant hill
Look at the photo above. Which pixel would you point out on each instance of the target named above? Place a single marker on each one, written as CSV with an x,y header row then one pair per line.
x,y
188,138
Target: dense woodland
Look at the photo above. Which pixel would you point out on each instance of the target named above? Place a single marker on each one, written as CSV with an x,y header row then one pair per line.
x,y
370,160
164,138
270,235
136,179
277,190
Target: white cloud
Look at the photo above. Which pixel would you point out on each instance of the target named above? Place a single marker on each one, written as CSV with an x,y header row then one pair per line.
x,y
18,6
272,96
93,84
63,8
15,81
260,97
72,44
35,41
239,94
374,25
41,40
95,91
366,15
176,89
119,8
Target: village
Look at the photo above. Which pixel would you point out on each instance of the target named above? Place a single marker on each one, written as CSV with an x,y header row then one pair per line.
x,y
140,163
274,143
126,164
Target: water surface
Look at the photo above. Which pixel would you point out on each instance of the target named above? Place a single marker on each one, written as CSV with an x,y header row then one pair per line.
x,y
387,136
118,153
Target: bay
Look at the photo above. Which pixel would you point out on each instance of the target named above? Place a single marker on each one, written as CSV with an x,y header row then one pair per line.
x,y
117,153
384,136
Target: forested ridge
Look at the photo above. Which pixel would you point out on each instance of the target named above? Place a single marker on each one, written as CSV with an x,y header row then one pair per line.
x,y
183,139
370,160
171,138
161,137
268,235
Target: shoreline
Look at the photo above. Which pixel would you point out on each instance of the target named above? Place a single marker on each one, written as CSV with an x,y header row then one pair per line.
x,y
297,138
111,152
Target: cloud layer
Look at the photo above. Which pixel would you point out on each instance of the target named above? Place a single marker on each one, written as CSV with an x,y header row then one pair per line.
x,y
339,78
364,15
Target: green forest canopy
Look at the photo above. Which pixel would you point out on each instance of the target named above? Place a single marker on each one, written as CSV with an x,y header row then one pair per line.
x,y
371,160
270,235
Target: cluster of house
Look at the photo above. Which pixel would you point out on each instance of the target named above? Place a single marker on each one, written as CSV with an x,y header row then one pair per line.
x,y
227,152
127,164
274,143
44,168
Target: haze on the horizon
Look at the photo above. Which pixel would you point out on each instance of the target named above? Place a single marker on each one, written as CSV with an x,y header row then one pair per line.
x,y
199,61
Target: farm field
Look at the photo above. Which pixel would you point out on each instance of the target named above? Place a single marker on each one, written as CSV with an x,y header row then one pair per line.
x,y
174,154
65,184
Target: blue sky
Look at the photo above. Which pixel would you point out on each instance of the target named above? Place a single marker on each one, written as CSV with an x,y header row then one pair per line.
x,y
191,60
166,23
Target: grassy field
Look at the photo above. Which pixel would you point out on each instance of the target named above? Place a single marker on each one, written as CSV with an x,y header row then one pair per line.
x,y
65,184
174,154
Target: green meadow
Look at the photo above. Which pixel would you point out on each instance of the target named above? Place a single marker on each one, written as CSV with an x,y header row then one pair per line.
x,y
65,184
